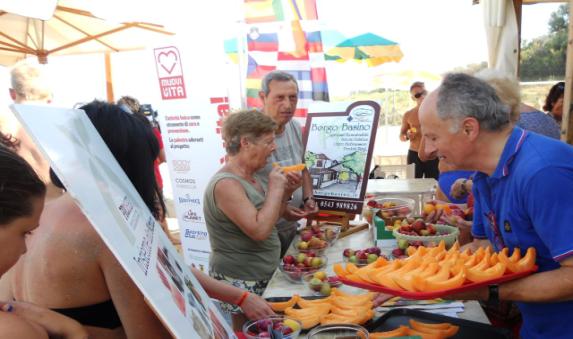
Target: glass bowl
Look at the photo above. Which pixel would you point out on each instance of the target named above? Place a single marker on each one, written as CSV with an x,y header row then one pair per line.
x,y
310,247
256,329
360,257
391,209
326,232
338,331
449,234
294,272
317,286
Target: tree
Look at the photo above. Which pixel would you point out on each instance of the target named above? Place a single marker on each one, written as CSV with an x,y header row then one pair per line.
x,y
355,163
310,159
543,58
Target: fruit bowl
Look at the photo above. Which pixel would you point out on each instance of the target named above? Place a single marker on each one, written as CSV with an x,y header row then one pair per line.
x,y
338,331
316,247
390,209
320,283
295,267
326,232
287,327
361,257
449,234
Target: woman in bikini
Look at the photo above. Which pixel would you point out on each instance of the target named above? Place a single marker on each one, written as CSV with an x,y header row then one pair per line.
x,y
22,195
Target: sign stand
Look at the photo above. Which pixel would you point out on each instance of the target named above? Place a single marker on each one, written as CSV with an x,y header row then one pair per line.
x,y
338,218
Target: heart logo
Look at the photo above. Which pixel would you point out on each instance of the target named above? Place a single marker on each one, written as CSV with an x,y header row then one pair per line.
x,y
167,60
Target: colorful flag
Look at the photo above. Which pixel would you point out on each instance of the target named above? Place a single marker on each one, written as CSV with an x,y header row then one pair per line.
x,y
258,11
280,40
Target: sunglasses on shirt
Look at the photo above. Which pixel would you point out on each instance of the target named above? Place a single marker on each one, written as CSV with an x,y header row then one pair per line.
x,y
419,94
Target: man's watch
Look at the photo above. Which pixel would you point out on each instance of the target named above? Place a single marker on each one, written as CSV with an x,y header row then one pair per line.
x,y
493,296
307,199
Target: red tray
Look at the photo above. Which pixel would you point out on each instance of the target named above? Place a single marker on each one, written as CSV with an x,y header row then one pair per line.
x,y
436,294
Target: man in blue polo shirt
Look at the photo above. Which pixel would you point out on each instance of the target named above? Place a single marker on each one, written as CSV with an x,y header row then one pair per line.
x,y
522,196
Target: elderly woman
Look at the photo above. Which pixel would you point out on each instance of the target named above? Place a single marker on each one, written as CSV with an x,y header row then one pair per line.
x,y
240,212
22,197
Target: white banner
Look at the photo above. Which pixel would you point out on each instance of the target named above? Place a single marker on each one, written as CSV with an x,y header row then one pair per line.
x,y
191,107
101,189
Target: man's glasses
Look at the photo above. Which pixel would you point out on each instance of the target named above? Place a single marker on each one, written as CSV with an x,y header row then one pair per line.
x,y
419,94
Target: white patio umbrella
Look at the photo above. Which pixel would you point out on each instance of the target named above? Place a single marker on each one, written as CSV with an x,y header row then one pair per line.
x,y
501,29
69,29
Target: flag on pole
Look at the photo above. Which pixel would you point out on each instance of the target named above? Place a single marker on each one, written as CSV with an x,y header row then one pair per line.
x,y
258,11
280,40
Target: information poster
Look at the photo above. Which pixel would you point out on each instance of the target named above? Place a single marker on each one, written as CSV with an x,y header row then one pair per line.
x,y
339,146
191,107
105,195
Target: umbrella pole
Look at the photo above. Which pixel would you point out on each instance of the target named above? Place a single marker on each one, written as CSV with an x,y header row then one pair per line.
x,y
108,79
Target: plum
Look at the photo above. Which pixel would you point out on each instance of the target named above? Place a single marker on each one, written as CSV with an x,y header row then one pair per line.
x,y
333,280
348,252
373,250
418,225
263,325
372,204
288,260
361,255
397,252
305,235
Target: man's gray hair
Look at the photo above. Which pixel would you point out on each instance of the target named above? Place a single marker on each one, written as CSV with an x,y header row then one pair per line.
x,y
277,76
463,96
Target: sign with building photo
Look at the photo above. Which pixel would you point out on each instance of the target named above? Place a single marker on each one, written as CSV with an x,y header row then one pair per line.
x,y
338,151
106,196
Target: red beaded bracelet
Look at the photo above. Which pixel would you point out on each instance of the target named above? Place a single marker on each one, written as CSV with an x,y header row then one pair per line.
x,y
243,297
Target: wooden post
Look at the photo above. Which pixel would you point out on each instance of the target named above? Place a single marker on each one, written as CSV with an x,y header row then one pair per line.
x,y
518,6
108,79
567,120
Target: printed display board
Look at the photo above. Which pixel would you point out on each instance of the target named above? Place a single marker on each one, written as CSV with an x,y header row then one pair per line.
x,y
105,195
338,151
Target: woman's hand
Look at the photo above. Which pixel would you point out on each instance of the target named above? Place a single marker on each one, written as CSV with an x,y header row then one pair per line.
x,y
292,213
310,207
256,307
277,179
294,181
56,324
